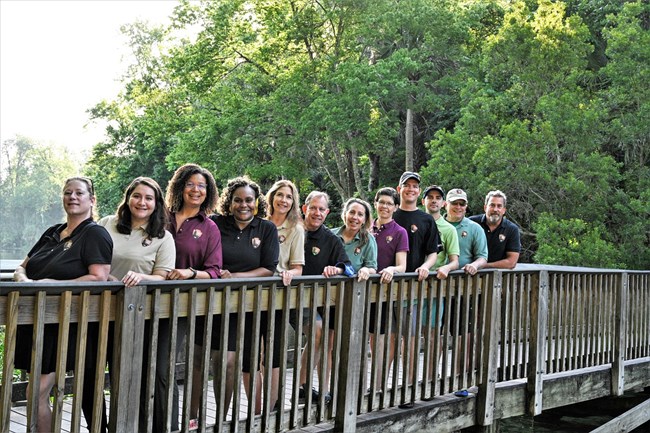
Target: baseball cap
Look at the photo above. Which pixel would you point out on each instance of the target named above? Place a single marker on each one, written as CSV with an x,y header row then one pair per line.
x,y
408,175
434,188
456,194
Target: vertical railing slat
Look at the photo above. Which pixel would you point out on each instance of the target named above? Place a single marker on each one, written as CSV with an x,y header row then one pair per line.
x,y
539,325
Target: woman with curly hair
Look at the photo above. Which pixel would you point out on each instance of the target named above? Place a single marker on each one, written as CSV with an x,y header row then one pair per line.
x,y
191,196
250,249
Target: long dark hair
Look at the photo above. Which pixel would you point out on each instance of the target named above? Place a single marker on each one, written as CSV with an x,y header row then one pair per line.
x,y
174,196
239,182
157,220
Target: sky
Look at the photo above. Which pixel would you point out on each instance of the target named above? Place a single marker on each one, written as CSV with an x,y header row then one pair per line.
x,y
60,58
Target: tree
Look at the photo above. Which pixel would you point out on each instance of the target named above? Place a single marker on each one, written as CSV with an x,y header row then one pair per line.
x,y
31,180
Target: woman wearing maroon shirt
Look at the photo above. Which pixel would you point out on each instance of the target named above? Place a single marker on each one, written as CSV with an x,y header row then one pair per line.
x,y
191,196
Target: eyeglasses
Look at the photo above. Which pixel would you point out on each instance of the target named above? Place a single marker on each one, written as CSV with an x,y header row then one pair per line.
x,y
200,186
459,203
385,203
317,209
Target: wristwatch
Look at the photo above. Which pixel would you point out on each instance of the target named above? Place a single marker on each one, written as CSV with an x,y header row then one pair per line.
x,y
194,272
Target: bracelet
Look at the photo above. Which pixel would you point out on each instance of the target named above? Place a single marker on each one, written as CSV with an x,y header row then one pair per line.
x,y
194,272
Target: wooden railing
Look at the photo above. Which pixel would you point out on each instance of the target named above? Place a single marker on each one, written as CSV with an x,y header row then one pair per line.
x,y
489,328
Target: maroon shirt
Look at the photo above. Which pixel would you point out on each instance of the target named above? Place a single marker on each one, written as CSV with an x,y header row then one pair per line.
x,y
198,244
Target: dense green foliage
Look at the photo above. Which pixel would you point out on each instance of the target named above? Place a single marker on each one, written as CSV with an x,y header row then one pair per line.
x,y
547,101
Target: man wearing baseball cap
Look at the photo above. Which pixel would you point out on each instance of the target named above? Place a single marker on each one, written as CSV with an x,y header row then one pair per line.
x,y
473,256
471,238
424,244
433,200
502,234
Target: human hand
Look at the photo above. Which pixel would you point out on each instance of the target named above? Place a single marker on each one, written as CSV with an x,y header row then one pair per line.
x,y
331,271
132,279
442,273
363,274
287,276
470,269
387,275
423,273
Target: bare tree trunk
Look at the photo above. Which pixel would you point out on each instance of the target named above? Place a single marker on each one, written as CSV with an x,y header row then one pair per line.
x,y
373,181
409,140
357,174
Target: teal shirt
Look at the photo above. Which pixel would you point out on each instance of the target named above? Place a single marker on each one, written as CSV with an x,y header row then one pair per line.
x,y
471,240
360,256
450,244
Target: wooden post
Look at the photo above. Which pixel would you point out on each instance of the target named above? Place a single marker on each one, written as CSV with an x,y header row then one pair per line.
x,y
618,367
538,328
485,403
350,362
8,365
129,342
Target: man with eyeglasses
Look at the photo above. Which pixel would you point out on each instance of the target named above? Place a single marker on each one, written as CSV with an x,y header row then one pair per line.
x,y
502,235
471,238
326,256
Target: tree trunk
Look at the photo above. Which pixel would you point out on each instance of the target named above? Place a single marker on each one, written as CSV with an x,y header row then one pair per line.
x,y
408,166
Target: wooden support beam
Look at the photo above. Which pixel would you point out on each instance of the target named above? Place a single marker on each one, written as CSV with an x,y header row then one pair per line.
x,y
350,363
538,331
127,374
492,298
628,421
620,343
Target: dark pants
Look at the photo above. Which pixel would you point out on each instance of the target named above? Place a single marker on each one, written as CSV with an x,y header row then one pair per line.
x,y
161,385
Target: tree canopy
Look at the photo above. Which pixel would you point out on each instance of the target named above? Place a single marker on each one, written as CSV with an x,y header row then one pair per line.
x,y
545,100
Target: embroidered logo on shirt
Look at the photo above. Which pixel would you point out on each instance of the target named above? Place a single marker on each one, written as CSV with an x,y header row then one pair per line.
x,y
414,228
67,245
502,237
357,251
315,251
196,233
256,242
146,241
282,238
463,234
389,239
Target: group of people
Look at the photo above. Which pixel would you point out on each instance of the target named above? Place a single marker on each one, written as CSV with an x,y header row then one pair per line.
x,y
177,236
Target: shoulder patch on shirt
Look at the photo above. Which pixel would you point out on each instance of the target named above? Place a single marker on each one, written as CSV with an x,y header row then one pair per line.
x,y
357,251
67,245
463,234
282,238
414,228
256,242
502,237
196,233
315,251
389,239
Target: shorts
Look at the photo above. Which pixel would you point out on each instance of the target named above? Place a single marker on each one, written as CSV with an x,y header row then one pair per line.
x,y
386,317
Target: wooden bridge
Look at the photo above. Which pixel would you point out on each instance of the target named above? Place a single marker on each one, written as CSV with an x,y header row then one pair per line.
x,y
520,341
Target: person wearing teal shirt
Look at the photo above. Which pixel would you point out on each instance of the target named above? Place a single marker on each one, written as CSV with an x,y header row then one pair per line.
x,y
358,241
473,256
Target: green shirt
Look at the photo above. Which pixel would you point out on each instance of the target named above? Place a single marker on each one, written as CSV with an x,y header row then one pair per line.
x,y
472,241
359,256
450,244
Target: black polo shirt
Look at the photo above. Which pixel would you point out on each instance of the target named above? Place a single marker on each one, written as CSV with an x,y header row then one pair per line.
x,y
323,248
423,235
254,247
503,239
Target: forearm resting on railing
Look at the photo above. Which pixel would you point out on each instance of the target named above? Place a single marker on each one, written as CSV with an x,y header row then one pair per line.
x,y
20,274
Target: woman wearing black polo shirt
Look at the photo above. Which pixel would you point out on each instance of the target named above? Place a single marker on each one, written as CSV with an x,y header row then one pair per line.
x,y
250,249
77,250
